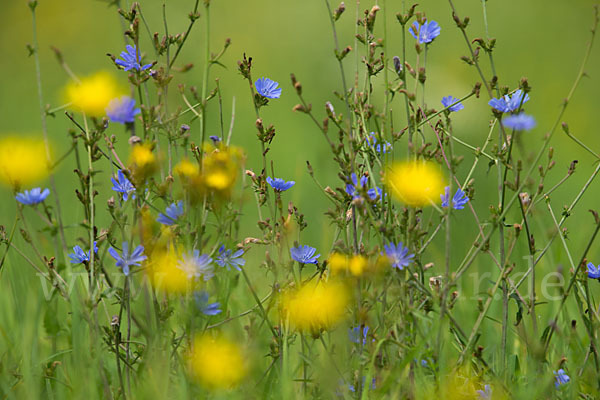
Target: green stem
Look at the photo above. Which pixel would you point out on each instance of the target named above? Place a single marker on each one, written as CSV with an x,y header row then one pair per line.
x,y
38,76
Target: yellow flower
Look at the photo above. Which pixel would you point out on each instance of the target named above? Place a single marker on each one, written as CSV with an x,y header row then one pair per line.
x,y
187,169
148,227
218,173
219,170
23,161
142,156
358,265
165,273
338,263
314,307
216,362
93,93
341,263
383,263
416,183
142,161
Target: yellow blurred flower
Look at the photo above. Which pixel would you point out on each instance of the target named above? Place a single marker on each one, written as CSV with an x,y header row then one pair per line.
x,y
383,263
337,263
187,169
148,228
416,183
314,307
218,173
165,274
22,161
142,161
178,272
219,170
216,362
93,93
356,265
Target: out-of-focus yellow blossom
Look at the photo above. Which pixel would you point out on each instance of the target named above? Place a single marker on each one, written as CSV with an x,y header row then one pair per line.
x,y
316,306
338,263
382,264
142,162
165,273
218,173
216,362
187,169
356,265
93,93
23,161
416,183
219,170
148,227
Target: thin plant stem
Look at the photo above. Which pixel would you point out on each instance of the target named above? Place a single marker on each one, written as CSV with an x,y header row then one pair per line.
x,y
38,76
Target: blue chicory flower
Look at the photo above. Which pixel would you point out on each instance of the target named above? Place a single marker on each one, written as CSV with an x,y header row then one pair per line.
x,y
517,98
172,213
425,33
204,306
593,272
268,88
353,189
279,184
449,100
215,139
122,110
123,185
509,104
126,260
358,334
374,192
196,265
458,200
79,256
561,378
304,254
33,196
519,122
227,259
131,59
398,255
378,147
373,384
486,393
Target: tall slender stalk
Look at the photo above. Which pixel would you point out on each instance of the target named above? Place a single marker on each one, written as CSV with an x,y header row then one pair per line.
x,y
38,75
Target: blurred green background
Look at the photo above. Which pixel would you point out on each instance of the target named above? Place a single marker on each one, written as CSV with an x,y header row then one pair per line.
x,y
543,40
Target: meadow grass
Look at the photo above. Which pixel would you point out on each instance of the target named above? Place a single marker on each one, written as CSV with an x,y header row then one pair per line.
x,y
221,225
